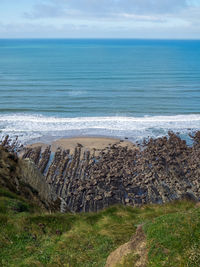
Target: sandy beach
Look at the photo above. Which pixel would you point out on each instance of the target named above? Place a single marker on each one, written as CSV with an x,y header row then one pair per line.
x,y
87,143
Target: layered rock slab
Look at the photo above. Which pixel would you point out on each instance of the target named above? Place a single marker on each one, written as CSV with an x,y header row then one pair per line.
x,y
159,171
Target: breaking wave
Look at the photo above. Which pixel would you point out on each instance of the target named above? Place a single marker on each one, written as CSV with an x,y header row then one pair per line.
x,y
31,128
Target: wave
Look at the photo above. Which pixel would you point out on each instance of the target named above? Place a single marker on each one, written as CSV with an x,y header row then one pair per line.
x,y
38,127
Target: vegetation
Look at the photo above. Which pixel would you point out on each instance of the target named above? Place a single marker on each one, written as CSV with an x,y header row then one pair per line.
x,y
29,237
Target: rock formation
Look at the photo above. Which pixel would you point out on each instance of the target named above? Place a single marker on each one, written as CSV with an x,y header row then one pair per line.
x,y
161,170
23,177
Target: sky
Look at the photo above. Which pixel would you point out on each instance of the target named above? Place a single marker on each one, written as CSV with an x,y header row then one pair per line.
x,y
160,19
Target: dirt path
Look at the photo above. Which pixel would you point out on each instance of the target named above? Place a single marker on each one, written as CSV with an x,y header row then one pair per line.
x,y
136,247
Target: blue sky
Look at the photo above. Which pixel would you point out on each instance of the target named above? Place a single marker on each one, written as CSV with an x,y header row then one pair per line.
x,y
179,19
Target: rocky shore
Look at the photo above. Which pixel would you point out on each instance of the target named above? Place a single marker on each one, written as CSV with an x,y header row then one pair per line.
x,y
159,171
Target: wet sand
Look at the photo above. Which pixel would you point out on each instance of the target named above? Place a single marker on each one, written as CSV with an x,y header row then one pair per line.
x,y
87,143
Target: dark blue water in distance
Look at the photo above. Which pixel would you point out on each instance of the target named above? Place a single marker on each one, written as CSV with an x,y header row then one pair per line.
x,y
72,87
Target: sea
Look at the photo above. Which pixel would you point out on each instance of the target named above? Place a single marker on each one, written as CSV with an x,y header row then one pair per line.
x,y
123,88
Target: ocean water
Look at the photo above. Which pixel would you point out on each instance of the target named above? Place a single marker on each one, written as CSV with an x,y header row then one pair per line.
x,y
117,88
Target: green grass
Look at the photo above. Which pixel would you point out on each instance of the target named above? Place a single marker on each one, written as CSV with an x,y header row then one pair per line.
x,y
29,237
174,239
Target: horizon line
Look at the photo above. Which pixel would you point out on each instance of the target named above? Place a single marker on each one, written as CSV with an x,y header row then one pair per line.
x,y
98,38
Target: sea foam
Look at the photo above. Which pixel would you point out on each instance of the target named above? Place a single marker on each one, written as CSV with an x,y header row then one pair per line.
x,y
32,128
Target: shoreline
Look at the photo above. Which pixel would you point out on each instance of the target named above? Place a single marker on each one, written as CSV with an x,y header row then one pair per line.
x,y
46,129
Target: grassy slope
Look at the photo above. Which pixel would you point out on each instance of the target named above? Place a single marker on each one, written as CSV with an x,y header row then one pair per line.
x,y
31,238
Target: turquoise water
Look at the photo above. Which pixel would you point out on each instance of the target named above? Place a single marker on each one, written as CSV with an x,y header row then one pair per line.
x,y
118,88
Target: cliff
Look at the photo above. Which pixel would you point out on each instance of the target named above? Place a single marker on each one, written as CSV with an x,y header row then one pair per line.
x,y
23,178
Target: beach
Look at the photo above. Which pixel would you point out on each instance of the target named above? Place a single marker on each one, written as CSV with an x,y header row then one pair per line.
x,y
96,144
82,116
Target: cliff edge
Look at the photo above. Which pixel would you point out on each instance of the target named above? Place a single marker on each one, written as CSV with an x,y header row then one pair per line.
x,y
23,178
